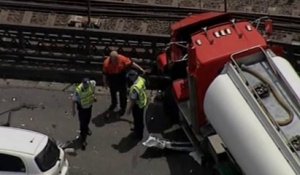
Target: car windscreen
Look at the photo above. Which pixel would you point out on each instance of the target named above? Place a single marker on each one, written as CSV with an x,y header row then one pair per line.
x,y
48,157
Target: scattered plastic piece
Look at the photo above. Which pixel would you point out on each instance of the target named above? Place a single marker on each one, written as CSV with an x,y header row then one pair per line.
x,y
154,142
196,157
162,144
42,105
70,151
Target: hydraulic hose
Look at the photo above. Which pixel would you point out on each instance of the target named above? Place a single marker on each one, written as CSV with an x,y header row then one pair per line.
x,y
280,100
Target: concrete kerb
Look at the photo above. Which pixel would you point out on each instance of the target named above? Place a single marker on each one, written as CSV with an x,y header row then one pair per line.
x,y
3,83
7,83
52,86
100,90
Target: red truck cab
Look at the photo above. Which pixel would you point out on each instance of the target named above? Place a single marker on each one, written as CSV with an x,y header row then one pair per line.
x,y
205,42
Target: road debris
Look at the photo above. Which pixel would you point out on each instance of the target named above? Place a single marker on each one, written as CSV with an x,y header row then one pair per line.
x,y
196,157
162,144
70,151
42,105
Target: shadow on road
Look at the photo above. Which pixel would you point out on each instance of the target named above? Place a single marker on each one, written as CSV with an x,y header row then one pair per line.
x,y
155,119
152,153
73,145
180,163
126,143
108,117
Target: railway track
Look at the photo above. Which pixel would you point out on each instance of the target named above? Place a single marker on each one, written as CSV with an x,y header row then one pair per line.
x,y
69,54
99,8
150,26
151,16
132,10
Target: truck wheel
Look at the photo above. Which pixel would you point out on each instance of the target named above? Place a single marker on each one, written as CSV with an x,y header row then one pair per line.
x,y
170,106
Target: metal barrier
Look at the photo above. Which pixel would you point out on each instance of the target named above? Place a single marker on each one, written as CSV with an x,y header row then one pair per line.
x,y
291,51
76,43
69,54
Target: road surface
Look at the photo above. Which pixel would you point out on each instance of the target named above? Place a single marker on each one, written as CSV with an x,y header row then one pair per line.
x,y
111,148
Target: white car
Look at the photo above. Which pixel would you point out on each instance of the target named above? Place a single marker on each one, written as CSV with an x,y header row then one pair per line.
x,y
24,152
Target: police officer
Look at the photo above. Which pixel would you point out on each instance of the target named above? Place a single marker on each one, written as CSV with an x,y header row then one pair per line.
x,y
138,102
114,70
84,97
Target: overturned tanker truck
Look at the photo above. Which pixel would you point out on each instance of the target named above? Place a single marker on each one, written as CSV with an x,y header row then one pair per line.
x,y
237,101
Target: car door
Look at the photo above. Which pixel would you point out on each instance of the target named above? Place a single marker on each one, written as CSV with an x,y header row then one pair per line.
x,y
11,165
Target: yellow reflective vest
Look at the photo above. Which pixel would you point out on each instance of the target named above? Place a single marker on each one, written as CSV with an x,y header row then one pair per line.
x,y
86,95
140,87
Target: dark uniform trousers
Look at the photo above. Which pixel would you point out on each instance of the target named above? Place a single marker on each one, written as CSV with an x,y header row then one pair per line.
x,y
138,120
117,83
84,120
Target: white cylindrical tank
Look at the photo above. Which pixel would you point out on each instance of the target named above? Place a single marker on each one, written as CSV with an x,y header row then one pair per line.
x,y
241,131
289,75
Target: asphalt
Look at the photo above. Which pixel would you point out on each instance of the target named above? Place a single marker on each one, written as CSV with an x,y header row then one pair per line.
x,y
111,148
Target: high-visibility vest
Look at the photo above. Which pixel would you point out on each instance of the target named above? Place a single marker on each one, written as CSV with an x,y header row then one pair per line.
x,y
140,87
86,95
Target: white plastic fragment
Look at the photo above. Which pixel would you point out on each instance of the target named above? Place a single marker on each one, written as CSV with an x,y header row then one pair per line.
x,y
196,157
162,144
154,142
70,151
